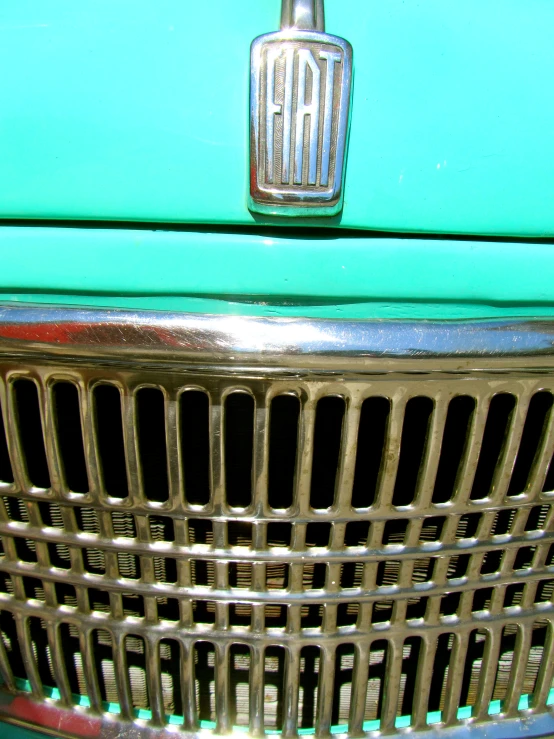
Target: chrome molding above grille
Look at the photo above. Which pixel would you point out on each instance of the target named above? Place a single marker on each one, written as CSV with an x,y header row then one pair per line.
x,y
413,551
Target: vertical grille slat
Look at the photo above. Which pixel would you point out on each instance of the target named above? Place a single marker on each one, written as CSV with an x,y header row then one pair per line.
x,y
317,558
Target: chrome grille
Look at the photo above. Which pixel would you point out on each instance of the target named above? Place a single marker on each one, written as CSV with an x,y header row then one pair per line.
x,y
200,548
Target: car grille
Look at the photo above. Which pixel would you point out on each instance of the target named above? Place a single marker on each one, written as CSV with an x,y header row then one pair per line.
x,y
292,553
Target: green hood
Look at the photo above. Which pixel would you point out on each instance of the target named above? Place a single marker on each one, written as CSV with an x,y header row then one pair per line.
x,y
138,110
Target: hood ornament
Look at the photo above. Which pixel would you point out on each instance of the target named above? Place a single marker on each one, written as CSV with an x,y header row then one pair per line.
x,y
300,88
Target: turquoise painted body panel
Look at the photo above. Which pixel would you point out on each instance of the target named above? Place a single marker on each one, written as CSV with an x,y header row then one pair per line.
x,y
138,111
246,273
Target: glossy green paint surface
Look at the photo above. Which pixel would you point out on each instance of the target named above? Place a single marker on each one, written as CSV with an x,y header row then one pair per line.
x,y
7,731
262,274
138,110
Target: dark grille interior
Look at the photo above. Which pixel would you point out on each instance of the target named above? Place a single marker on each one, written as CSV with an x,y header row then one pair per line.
x,y
374,558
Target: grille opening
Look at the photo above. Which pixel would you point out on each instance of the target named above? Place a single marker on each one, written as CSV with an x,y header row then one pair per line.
x,y
457,567
275,616
342,685
441,668
133,605
69,431
537,518
203,611
239,684
416,608
99,600
51,515
535,658
37,634
382,611
10,642
29,427
356,534
376,680
423,570
279,534
109,440
72,659
482,599
87,520
387,573
33,588
94,561
415,430
317,534
410,658
311,616
347,614
276,576
395,531
168,609
203,572
240,614
124,525
274,687
128,565
171,667
494,440
195,445
59,556
372,436
491,562
16,510
503,522
450,604
534,428
161,528
545,591
473,667
135,653
150,404
103,655
524,558
313,575
204,680
308,694
239,534
283,445
200,531
454,444
239,440
6,583
468,525
6,472
165,569
513,595
25,549
550,556
505,662
66,595
329,420
240,575
431,529
351,574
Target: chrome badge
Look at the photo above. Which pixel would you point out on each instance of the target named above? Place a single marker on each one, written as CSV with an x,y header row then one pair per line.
x,y
299,112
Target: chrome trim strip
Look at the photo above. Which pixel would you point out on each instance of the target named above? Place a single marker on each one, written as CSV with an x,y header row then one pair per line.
x,y
305,15
235,341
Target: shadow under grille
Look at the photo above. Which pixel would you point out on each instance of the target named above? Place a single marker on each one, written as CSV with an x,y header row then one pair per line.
x,y
278,555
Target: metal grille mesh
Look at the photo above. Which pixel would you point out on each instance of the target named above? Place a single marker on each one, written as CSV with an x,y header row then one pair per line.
x,y
280,554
